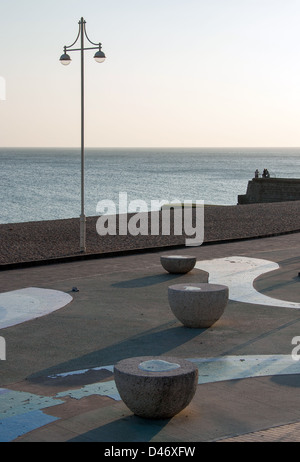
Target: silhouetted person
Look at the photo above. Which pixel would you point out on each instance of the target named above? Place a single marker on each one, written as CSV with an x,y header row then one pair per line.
x,y
266,173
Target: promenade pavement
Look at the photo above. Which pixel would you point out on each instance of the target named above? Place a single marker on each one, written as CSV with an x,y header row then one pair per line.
x,y
57,379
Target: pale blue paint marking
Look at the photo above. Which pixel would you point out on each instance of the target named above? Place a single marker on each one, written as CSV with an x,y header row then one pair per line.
x,y
3,390
21,413
242,367
102,388
13,403
18,425
210,370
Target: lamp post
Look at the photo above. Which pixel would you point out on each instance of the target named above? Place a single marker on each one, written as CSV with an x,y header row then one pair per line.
x,y
65,60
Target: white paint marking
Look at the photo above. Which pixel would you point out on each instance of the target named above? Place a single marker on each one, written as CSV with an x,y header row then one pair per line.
x,y
157,365
22,305
238,273
81,371
192,289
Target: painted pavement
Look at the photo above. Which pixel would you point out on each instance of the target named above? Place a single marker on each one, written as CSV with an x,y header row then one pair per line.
x,y
22,412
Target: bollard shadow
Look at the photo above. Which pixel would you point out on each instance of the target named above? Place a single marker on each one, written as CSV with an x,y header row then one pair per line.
x,y
146,281
153,342
126,429
287,378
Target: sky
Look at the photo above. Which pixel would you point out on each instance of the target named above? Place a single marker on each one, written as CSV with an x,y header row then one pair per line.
x,y
178,73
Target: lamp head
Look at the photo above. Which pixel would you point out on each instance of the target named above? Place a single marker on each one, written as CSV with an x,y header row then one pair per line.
x,y
99,56
65,59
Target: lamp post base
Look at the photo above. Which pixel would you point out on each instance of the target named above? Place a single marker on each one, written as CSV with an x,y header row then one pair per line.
x,y
82,233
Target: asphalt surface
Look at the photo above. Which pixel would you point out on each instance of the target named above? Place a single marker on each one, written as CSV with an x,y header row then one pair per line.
x,y
121,310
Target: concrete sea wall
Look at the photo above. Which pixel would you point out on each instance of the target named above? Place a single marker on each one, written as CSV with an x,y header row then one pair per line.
x,y
271,190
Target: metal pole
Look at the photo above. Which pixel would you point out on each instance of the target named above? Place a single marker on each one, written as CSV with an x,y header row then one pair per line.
x,y
82,216
65,59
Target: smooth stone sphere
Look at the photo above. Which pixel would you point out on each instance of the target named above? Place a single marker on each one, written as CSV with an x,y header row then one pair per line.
x,y
178,263
198,305
156,387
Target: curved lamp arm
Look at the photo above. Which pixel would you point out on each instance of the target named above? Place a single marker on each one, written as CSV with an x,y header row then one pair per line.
x,y
99,56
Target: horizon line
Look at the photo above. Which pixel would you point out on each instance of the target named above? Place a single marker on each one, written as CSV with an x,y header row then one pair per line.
x,y
151,147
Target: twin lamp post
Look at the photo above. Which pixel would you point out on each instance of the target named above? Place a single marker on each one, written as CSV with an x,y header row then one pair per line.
x,y
65,60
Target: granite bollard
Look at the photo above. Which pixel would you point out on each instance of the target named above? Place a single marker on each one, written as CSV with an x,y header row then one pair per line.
x,y
178,263
198,305
156,387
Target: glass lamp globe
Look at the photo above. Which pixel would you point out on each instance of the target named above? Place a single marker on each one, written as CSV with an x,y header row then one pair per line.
x,y
99,56
65,59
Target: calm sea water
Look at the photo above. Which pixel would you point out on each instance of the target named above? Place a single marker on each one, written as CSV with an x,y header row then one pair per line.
x,y
44,184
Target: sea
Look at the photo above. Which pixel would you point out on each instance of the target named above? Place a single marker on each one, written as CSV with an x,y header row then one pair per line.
x,y
39,184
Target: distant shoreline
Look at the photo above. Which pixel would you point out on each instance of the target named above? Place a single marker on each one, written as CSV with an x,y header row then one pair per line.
x,y
58,240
